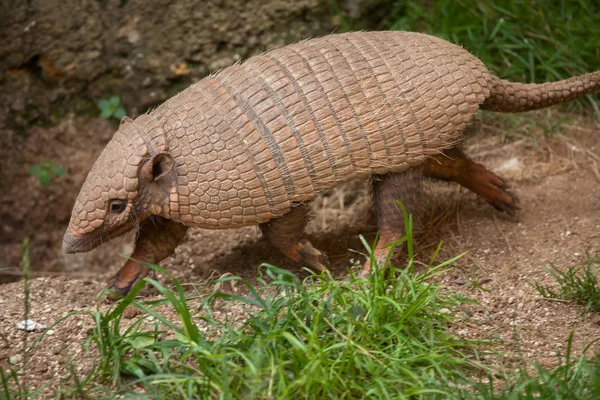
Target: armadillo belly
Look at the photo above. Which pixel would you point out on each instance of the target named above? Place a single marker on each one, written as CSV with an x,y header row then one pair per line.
x,y
257,137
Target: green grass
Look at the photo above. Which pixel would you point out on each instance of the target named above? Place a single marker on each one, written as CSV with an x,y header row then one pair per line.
x,y
577,378
315,338
386,336
576,283
12,385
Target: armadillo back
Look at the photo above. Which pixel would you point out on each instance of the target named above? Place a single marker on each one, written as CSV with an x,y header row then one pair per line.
x,y
257,137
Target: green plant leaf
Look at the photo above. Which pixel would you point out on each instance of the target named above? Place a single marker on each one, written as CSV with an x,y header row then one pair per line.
x,y
141,341
58,171
34,169
114,101
119,113
103,104
106,113
44,177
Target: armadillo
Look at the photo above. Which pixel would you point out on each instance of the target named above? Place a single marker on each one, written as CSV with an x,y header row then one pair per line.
x,y
256,142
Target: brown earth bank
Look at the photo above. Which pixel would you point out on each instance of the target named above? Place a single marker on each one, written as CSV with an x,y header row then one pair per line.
x,y
62,56
557,180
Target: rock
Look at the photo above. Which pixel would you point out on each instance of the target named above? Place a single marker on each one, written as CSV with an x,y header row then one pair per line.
x,y
30,326
17,358
512,165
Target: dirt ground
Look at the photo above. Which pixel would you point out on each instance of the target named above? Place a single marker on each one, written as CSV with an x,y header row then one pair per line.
x,y
557,180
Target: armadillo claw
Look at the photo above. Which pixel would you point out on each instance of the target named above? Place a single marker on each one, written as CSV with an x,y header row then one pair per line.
x,y
500,198
130,274
494,190
365,271
508,203
381,255
312,257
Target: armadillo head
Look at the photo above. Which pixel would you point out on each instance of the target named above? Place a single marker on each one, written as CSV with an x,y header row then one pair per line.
x,y
130,180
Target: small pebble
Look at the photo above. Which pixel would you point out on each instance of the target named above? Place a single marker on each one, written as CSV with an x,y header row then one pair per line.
x,y
460,281
30,326
131,312
15,359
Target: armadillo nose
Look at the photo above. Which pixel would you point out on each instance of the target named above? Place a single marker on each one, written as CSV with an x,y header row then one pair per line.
x,y
70,243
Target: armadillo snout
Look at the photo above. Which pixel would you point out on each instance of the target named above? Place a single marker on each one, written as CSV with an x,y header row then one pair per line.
x,y
75,244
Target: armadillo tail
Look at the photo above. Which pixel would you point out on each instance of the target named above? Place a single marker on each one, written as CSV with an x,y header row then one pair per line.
x,y
508,96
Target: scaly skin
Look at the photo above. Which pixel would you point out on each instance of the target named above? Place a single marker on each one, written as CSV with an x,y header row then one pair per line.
x,y
247,145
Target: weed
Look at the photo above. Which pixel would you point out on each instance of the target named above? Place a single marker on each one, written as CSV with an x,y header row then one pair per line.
x,y
110,108
12,386
575,283
46,171
577,378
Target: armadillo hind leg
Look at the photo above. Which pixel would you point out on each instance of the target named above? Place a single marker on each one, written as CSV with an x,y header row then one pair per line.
x,y
454,165
157,238
387,190
286,233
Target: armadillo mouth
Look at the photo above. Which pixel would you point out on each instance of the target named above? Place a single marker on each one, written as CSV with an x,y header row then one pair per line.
x,y
83,243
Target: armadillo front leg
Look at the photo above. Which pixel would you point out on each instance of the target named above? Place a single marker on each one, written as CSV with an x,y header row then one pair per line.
x,y
157,238
387,190
286,233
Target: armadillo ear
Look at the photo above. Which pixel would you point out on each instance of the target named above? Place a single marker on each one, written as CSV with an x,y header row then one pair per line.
x,y
160,165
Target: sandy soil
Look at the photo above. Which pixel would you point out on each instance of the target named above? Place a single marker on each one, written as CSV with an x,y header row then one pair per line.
x,y
557,180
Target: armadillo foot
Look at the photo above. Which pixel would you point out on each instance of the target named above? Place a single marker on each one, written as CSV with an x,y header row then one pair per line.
x,y
365,271
286,234
380,254
493,189
130,274
454,165
311,257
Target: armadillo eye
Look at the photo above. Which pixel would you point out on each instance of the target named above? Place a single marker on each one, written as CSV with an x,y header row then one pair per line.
x,y
117,206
